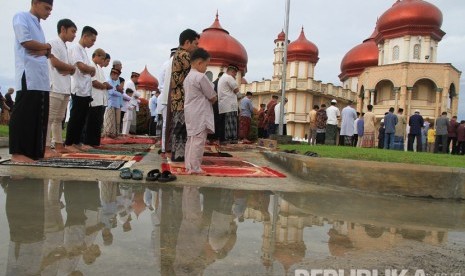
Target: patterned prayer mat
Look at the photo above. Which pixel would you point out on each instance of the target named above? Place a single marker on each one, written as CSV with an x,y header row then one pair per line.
x,y
71,163
225,167
128,140
101,156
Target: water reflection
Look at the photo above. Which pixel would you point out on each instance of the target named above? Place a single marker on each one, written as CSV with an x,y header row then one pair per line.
x,y
73,227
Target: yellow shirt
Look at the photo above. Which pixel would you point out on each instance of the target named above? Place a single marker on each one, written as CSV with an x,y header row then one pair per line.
x,y
431,135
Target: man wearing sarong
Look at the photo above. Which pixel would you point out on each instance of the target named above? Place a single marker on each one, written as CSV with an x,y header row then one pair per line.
x,y
369,122
270,116
399,136
188,42
112,117
28,123
348,117
227,103
331,125
245,118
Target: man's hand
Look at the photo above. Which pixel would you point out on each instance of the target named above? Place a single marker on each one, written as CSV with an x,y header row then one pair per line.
x,y
119,88
92,72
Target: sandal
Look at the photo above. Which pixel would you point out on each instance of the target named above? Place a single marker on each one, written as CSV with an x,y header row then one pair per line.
x,y
153,175
137,174
166,176
125,173
312,154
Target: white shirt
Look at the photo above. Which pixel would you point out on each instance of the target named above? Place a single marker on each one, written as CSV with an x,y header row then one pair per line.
x,y
355,126
227,99
153,106
130,84
277,112
332,112
81,84
126,100
59,83
100,96
27,27
164,77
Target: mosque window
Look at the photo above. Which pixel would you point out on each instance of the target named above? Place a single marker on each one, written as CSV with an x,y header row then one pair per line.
x,y
395,53
416,51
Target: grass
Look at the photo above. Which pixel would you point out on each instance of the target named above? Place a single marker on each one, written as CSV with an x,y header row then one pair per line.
x,y
4,131
380,155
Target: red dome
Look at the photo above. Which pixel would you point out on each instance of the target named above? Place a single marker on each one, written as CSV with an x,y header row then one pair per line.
x,y
410,17
146,81
360,57
281,37
223,48
302,49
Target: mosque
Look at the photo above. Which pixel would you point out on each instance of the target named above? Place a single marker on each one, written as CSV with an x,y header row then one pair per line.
x,y
395,67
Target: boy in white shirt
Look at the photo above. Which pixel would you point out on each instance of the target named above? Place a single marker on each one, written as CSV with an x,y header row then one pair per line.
x,y
129,115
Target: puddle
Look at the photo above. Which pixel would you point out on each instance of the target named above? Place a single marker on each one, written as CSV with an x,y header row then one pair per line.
x,y
53,227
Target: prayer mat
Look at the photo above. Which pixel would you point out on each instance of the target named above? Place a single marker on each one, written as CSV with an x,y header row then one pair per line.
x,y
237,147
125,147
116,152
225,167
71,163
128,140
97,156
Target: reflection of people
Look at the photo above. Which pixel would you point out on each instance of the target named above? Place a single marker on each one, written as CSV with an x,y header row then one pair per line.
x,y
28,124
109,191
25,214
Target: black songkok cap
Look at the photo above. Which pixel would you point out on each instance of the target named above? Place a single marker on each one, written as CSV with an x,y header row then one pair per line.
x,y
233,67
47,1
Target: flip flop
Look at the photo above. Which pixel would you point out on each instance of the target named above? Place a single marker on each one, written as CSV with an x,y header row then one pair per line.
x,y
153,175
125,173
312,154
137,174
166,176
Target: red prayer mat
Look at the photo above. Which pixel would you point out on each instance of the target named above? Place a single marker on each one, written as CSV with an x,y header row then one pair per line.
x,y
128,140
225,167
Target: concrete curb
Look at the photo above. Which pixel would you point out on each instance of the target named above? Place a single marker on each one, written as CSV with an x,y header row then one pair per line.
x,y
4,142
376,177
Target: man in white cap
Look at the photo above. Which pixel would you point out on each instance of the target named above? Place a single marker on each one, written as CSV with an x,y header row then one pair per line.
x,y
333,114
416,123
349,115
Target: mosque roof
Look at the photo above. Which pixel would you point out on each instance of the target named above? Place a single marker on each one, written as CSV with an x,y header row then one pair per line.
x,y
281,37
302,49
410,17
147,81
223,48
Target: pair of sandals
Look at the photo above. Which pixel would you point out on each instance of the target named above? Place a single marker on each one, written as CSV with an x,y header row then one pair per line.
x,y
135,174
156,175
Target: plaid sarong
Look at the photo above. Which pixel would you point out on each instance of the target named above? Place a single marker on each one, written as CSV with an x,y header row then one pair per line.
x,y
230,126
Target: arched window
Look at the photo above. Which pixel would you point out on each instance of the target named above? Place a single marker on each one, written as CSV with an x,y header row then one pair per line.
x,y
416,51
395,53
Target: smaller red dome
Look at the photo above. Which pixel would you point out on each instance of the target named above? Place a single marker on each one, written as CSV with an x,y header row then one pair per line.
x,y
360,57
147,81
410,17
302,49
281,37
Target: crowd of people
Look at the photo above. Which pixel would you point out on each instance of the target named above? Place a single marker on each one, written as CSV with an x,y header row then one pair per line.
x,y
443,135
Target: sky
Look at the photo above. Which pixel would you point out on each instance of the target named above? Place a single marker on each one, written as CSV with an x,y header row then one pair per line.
x,y
140,33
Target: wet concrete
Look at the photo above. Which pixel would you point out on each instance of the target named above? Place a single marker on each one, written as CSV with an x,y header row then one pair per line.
x,y
71,221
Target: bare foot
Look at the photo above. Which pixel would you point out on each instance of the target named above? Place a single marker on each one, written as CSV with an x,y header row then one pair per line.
x,y
21,158
49,153
60,148
84,147
72,148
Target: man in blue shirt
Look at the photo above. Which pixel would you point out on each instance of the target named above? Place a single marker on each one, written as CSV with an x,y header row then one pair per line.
x,y
153,113
28,123
245,118
390,122
416,123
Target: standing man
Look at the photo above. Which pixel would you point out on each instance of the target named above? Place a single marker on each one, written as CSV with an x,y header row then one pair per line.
x,y
442,124
277,113
416,123
245,118
390,122
28,123
153,113
219,118
321,119
331,125
227,103
111,121
261,121
452,135
60,71
312,129
369,121
81,88
348,117
399,135
270,116
8,97
188,43
355,140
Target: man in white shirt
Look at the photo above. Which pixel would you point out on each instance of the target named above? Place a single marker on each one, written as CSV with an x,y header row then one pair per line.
x,y
28,122
81,88
132,84
60,83
277,112
333,114
153,113
227,103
